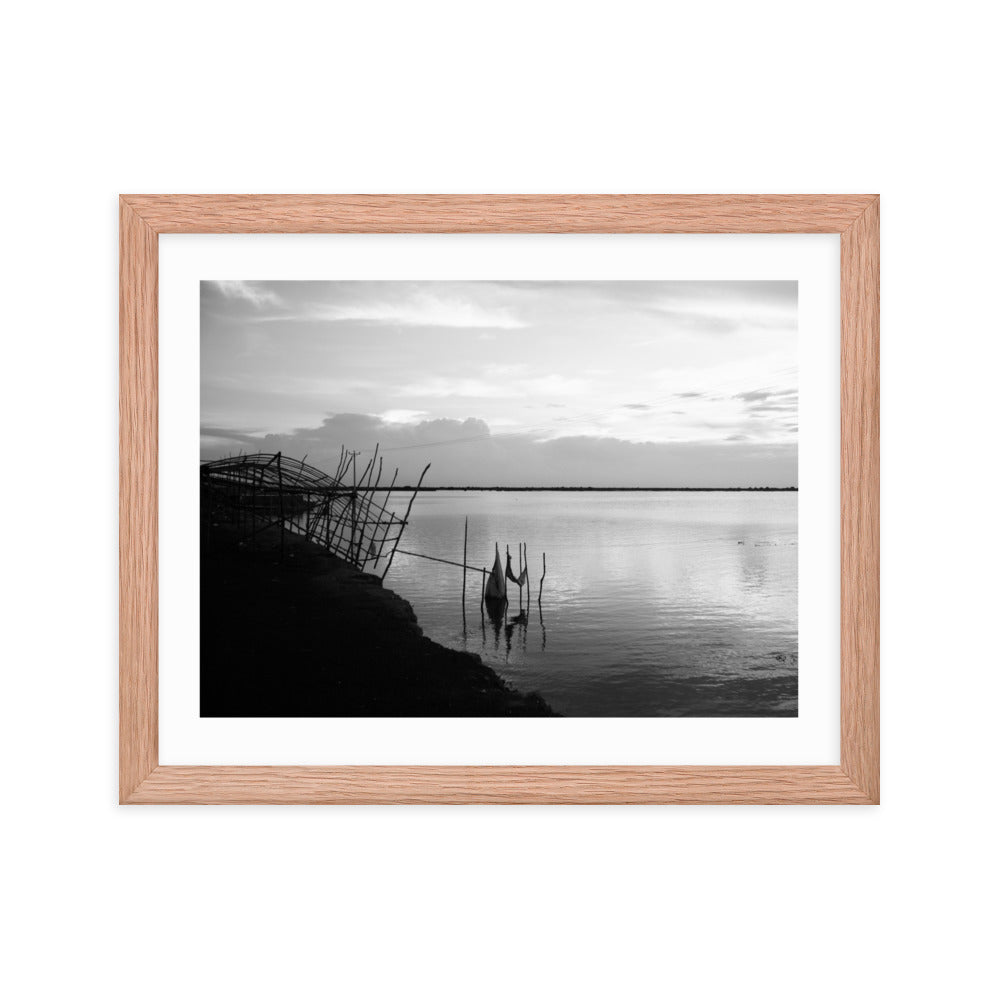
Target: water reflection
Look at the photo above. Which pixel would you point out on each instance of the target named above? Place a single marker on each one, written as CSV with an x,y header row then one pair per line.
x,y
506,624
659,604
497,612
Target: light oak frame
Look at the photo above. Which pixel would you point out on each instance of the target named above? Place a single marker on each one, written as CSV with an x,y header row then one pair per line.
x,y
854,217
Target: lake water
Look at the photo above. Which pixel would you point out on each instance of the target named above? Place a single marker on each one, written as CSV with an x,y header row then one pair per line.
x,y
653,603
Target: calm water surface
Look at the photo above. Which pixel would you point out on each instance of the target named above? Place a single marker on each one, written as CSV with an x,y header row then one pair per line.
x,y
653,603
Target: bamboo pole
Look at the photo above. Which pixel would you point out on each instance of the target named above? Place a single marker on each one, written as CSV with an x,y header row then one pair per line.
x,y
465,559
253,501
336,533
520,570
406,518
385,534
281,507
541,583
371,498
354,516
363,505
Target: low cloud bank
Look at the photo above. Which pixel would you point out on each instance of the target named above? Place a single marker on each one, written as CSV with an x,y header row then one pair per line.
x,y
466,453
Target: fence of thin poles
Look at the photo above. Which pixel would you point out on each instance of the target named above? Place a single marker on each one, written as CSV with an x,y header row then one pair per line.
x,y
346,512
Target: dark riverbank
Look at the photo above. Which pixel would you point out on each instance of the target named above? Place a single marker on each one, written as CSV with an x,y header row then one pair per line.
x,y
311,636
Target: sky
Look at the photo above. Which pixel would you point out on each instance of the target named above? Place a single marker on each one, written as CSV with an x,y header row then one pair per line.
x,y
509,383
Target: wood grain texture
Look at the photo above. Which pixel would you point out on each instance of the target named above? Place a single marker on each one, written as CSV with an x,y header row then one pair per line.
x,y
859,501
854,217
499,785
138,605
492,213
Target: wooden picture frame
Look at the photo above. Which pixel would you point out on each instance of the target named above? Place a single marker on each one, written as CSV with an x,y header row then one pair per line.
x,y
855,218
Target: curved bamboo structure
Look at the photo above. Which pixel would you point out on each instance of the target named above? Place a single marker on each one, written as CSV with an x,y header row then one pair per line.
x,y
346,513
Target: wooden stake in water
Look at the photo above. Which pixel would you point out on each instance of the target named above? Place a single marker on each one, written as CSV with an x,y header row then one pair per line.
x,y
520,573
506,603
465,559
541,583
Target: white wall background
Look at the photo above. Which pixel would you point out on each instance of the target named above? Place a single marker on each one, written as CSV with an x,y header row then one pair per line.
x,y
119,902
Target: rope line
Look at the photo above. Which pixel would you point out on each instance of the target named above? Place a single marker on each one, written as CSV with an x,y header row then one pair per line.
x,y
449,562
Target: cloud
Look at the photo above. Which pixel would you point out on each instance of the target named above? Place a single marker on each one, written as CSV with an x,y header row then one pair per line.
x,y
727,307
761,404
555,385
417,308
402,416
502,385
760,395
248,291
440,388
467,453
761,409
224,434
441,305
292,354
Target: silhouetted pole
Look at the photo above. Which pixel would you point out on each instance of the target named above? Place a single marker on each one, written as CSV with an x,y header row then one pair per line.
x,y
520,571
541,583
506,603
354,493
281,507
253,502
465,559
406,519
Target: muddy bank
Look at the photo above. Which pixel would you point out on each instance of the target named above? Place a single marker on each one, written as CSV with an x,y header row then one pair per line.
x,y
308,635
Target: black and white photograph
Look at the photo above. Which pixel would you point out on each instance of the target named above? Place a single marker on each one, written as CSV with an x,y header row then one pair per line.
x,y
499,498
321,316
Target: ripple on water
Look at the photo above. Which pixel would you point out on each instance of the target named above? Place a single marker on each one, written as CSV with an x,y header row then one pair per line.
x,y
653,603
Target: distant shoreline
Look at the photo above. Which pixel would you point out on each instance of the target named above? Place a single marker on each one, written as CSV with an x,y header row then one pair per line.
x,y
596,489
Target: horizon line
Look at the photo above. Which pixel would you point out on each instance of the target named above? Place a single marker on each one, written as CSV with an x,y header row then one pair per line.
x,y
605,489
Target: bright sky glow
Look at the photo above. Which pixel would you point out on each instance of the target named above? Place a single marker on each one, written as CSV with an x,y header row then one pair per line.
x,y
510,383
